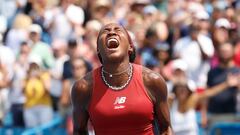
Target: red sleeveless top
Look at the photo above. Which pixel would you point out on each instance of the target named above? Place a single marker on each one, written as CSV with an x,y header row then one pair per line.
x,y
124,112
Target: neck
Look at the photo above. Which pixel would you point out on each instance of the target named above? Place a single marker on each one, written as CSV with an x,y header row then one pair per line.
x,y
182,106
120,79
116,67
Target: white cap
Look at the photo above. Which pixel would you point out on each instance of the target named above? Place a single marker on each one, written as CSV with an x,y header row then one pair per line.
x,y
102,3
35,28
150,9
35,59
179,64
94,24
202,15
141,1
223,22
75,14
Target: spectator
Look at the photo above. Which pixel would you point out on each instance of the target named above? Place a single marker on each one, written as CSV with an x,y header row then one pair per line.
x,y
193,30
38,106
59,48
40,48
7,59
79,67
16,95
162,54
184,102
216,76
200,48
19,32
73,52
4,83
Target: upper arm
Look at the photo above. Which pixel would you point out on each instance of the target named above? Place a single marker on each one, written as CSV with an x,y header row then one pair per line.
x,y
157,89
80,96
65,97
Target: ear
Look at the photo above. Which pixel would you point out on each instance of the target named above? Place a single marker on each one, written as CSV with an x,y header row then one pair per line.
x,y
130,49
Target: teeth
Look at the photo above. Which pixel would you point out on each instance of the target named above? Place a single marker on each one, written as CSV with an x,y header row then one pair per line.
x,y
112,40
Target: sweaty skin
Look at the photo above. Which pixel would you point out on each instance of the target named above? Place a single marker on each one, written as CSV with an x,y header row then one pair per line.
x,y
114,61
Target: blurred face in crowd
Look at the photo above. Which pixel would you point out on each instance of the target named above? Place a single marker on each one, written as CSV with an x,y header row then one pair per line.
x,y
163,55
79,68
178,74
113,43
59,48
24,49
220,35
182,92
226,53
73,49
33,70
35,37
203,24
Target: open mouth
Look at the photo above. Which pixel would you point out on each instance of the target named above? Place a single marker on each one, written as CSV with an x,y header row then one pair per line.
x,y
112,43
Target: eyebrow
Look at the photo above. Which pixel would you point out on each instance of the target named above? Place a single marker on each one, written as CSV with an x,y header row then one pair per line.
x,y
115,27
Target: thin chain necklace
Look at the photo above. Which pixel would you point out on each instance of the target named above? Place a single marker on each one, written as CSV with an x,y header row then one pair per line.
x,y
115,74
120,87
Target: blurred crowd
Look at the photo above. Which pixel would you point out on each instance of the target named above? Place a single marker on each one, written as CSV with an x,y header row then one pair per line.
x,y
45,45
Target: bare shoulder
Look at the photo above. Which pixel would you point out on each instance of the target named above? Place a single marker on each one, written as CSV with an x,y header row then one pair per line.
x,y
82,89
154,83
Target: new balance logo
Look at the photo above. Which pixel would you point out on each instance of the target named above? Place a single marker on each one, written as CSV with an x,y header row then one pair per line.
x,y
120,100
118,104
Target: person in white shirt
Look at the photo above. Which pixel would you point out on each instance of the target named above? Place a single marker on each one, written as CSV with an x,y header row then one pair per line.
x,y
195,50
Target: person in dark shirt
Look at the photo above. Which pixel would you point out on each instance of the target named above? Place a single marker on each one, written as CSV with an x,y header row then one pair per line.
x,y
223,105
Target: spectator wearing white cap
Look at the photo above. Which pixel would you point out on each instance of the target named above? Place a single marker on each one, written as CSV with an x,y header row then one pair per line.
x,y
220,36
174,71
36,87
196,50
40,48
150,15
184,101
202,20
220,33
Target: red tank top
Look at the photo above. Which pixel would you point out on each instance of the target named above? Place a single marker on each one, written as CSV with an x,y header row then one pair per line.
x,y
125,112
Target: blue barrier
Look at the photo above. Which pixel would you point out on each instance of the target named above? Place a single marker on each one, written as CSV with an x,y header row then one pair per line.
x,y
11,131
51,128
225,128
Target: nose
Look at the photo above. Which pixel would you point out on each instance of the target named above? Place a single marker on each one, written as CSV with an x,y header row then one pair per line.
x,y
112,33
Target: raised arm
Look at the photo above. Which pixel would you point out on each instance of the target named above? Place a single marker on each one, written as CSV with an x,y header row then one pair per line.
x,y
231,81
80,97
157,90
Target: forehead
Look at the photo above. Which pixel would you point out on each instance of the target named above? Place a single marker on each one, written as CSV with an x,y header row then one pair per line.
x,y
112,25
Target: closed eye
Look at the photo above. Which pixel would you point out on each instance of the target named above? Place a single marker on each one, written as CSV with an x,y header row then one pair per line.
x,y
118,29
106,30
